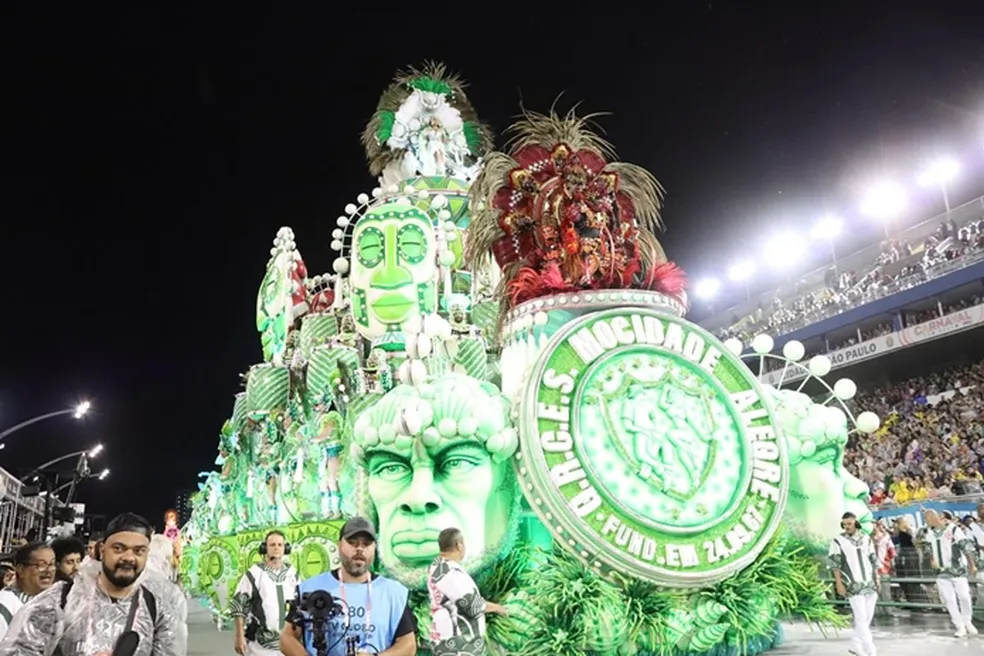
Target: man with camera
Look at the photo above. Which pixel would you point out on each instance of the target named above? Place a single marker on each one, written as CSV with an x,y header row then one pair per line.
x,y
350,611
259,605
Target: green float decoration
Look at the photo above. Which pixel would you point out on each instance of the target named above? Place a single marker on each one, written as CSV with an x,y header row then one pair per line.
x,y
500,346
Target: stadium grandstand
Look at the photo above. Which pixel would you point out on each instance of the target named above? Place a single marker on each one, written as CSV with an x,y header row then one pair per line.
x,y
903,319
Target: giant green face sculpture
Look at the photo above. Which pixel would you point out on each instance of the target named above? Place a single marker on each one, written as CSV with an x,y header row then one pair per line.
x,y
394,268
821,489
451,470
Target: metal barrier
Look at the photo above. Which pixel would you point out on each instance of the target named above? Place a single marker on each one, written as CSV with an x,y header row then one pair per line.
x,y
18,514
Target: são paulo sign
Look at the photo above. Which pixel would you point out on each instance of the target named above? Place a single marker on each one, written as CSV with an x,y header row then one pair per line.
x,y
649,450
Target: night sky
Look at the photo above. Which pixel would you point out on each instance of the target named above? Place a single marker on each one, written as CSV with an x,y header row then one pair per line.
x,y
150,158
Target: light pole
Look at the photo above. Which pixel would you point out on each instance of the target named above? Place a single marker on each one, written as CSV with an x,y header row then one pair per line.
x,y
88,453
827,229
884,202
940,172
78,412
72,483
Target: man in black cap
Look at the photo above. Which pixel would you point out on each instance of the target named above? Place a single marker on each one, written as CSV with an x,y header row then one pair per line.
x,y
110,607
376,612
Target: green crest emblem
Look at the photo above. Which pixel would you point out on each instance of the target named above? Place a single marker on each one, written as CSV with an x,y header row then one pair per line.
x,y
649,449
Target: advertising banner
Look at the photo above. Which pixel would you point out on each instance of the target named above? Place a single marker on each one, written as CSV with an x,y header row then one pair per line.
x,y
948,324
914,511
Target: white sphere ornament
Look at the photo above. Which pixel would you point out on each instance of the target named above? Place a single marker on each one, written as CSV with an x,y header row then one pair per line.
x,y
403,373
412,326
419,346
734,345
337,233
820,365
392,189
447,258
336,245
413,423
793,350
540,318
444,215
763,344
418,372
432,325
340,265
409,190
377,192
351,208
422,194
439,201
845,389
362,198
343,221
867,422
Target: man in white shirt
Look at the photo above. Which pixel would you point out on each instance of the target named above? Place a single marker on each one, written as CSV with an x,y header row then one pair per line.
x,y
259,605
35,567
951,553
854,563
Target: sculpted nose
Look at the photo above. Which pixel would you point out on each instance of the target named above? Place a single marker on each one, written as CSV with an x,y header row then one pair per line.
x,y
421,498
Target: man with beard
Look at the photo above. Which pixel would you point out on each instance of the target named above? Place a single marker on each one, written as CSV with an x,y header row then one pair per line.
x,y
35,567
109,608
68,555
376,615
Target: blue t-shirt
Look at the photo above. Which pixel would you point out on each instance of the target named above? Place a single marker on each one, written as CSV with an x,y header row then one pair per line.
x,y
389,619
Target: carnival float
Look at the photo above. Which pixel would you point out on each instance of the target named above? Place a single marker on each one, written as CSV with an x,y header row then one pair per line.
x,y
500,346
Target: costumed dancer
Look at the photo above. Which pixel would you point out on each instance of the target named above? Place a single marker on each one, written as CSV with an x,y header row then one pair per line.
x,y
854,563
951,552
259,605
173,533
329,430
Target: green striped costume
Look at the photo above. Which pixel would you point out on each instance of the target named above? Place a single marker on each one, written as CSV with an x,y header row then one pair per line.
x,y
948,546
854,557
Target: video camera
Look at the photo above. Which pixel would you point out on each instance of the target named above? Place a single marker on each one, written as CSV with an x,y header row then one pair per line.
x,y
312,612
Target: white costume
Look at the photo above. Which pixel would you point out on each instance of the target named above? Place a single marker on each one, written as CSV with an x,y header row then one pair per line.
x,y
262,597
949,547
11,600
854,557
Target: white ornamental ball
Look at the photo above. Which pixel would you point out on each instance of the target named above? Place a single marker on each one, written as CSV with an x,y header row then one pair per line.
x,y
371,436
340,265
467,426
422,194
387,433
377,192
449,226
409,190
845,389
820,365
418,372
273,252
403,373
496,443
794,350
423,345
412,325
336,245
392,189
431,436
540,318
432,325
444,215
337,233
413,423
351,208
343,221
426,412
362,424
868,422
447,258
447,427
439,201
403,442
362,199
763,344
734,345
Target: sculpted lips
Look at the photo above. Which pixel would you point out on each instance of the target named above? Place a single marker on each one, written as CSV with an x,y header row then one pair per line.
x,y
415,545
392,307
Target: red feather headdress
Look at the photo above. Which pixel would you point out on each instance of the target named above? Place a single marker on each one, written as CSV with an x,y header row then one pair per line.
x,y
559,215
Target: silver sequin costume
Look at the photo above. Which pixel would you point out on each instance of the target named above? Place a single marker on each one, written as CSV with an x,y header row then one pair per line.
x,y
92,622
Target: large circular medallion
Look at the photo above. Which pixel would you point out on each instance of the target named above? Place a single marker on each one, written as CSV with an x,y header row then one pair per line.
x,y
648,449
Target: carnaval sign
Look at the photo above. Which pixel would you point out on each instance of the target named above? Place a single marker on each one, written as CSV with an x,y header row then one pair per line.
x,y
650,450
